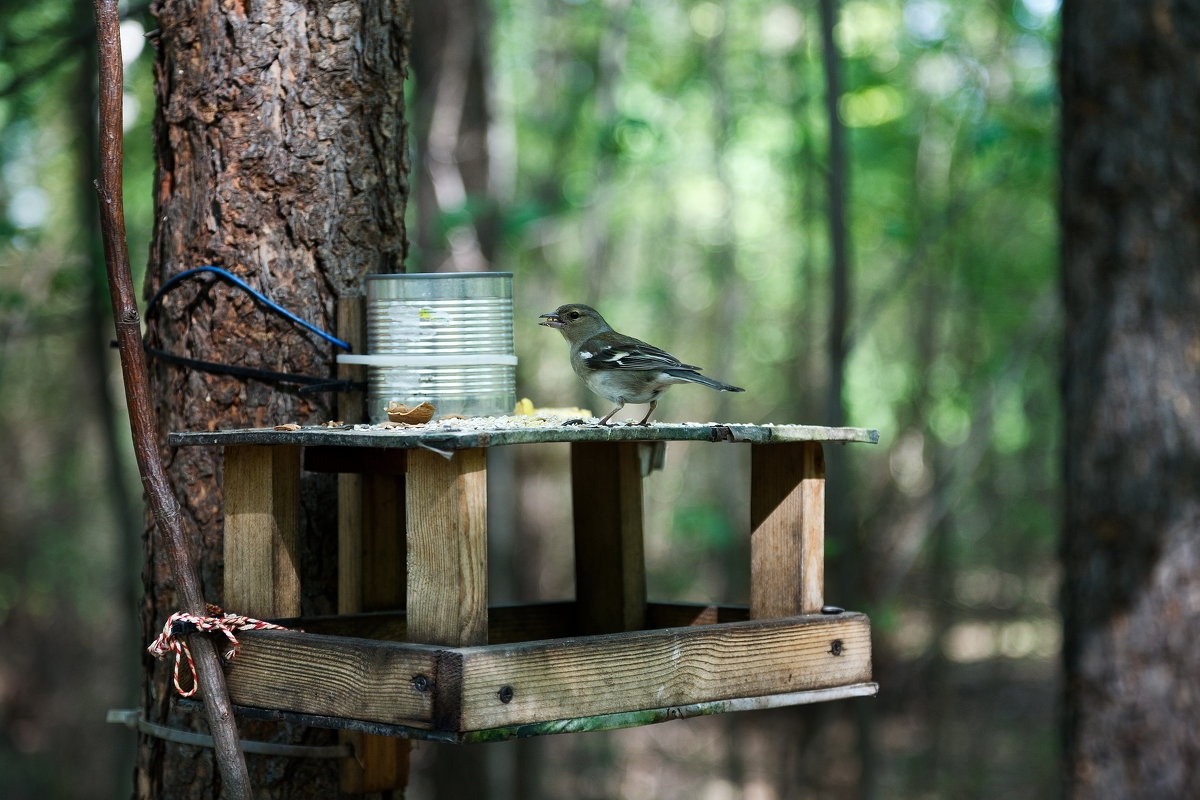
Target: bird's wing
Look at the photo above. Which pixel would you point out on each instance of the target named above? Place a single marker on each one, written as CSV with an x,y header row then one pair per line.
x,y
632,354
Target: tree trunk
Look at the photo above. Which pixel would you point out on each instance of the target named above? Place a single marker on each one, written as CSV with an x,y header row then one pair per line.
x,y
1131,384
280,139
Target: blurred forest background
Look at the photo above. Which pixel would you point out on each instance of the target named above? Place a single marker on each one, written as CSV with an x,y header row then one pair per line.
x,y
669,162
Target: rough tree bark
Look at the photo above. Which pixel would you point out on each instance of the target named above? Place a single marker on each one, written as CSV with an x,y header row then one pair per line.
x,y
280,139
1131,382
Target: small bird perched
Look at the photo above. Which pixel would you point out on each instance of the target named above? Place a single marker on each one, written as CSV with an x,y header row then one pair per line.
x,y
618,367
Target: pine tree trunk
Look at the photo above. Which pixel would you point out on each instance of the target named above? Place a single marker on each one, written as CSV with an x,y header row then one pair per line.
x,y
280,139
1131,557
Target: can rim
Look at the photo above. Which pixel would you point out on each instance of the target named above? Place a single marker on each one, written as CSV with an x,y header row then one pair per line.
x,y
427,275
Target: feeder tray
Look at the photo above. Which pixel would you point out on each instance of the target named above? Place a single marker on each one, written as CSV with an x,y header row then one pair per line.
x,y
417,652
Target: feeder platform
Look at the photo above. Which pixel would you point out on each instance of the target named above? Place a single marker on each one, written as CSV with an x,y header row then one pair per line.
x,y
415,650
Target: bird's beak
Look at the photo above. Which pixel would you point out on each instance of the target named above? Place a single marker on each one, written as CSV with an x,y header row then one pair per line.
x,y
551,321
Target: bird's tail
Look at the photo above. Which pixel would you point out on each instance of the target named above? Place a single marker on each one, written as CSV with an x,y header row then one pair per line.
x,y
703,380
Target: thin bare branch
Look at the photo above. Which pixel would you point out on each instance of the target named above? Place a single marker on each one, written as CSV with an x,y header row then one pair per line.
x,y
163,504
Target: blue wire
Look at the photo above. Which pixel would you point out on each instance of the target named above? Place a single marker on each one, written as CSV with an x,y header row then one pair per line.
x,y
229,276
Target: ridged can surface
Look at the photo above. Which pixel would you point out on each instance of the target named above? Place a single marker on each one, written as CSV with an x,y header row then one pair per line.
x,y
450,316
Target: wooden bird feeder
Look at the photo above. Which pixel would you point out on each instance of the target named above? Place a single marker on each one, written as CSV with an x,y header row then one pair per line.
x,y
417,652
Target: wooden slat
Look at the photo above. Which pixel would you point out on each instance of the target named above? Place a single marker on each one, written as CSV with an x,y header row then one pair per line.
x,y
379,763
655,669
447,548
630,719
465,438
610,569
332,676
262,504
601,722
352,329
787,524
370,546
575,725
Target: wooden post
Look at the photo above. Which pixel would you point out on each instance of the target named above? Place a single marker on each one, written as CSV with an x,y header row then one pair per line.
x,y
787,524
446,509
371,559
371,577
610,567
262,506
350,328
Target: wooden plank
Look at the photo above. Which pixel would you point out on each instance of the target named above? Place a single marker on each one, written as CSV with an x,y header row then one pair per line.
x,y
610,568
380,763
655,669
787,530
333,676
446,511
262,505
600,722
371,576
496,431
352,329
631,719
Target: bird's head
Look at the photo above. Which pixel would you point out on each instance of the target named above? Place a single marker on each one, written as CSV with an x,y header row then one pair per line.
x,y
575,321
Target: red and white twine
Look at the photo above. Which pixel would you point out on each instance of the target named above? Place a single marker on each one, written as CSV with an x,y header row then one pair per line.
x,y
168,642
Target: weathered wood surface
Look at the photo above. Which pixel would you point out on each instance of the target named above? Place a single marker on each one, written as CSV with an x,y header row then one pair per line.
x,y
630,719
787,530
610,565
599,722
450,438
653,669
262,505
333,675
619,674
447,547
371,548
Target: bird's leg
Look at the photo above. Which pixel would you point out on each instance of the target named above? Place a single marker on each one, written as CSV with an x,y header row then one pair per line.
x,y
646,419
621,404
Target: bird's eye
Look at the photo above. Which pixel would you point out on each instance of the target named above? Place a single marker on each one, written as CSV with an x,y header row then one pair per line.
x,y
574,315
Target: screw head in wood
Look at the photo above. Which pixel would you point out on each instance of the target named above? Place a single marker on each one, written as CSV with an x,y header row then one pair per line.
x,y
506,694
835,647
421,683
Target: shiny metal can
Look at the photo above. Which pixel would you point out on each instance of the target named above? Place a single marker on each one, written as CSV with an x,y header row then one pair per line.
x,y
445,338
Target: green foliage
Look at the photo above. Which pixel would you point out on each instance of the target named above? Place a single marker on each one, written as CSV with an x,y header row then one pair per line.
x,y
666,161
65,519
669,166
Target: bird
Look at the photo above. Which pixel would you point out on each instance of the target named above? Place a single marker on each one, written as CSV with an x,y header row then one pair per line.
x,y
617,367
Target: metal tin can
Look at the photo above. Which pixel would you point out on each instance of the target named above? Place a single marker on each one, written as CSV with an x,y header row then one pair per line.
x,y
441,337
